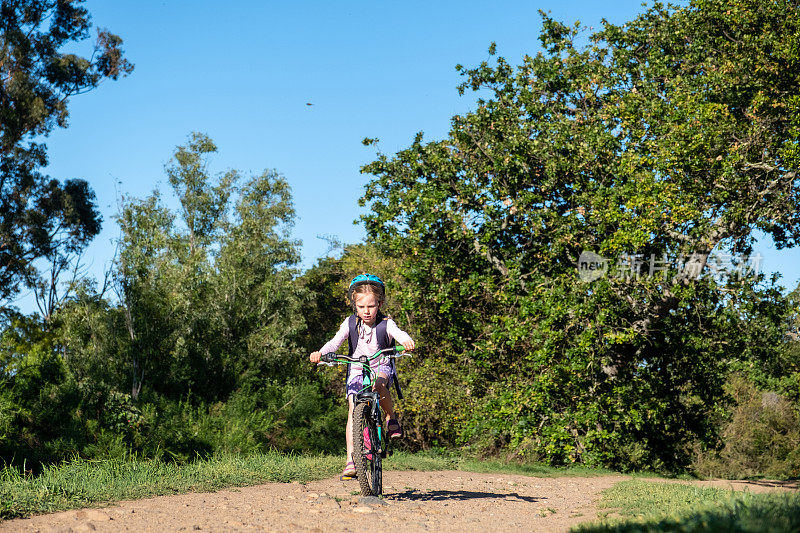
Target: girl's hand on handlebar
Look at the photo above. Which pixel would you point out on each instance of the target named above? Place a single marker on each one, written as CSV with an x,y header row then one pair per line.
x,y
408,345
314,357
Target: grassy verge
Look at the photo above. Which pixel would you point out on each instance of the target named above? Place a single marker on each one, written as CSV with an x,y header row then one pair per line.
x,y
92,483
428,461
641,506
89,483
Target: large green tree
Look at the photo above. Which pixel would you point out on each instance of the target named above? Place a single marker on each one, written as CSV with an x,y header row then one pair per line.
x,y
39,216
669,138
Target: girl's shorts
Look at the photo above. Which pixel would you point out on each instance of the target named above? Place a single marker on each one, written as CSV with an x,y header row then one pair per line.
x,y
355,383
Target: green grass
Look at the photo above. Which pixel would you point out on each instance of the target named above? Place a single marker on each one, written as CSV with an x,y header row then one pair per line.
x,y
82,483
433,461
90,483
641,506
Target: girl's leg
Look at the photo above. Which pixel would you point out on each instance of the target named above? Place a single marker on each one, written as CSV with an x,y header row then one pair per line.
x,y
382,386
349,428
393,427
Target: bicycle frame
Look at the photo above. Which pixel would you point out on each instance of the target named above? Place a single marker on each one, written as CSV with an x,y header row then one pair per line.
x,y
372,399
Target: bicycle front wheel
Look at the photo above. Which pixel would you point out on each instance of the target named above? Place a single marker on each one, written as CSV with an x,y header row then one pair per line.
x,y
366,449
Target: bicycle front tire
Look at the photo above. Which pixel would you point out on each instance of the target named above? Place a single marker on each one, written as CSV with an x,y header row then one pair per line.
x,y
367,459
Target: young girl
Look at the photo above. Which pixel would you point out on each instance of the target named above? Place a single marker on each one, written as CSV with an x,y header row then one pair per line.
x,y
367,294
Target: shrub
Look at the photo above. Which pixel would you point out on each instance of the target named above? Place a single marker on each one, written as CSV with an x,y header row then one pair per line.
x,y
761,437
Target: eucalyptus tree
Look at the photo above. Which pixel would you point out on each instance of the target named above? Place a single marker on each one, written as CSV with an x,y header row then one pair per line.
x,y
208,291
37,80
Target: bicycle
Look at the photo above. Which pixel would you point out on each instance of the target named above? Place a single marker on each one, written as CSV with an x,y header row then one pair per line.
x,y
370,444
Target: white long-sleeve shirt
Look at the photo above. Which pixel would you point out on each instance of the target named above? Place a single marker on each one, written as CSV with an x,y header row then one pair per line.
x,y
367,342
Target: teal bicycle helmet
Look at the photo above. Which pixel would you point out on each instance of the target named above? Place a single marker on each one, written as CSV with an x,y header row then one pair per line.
x,y
366,279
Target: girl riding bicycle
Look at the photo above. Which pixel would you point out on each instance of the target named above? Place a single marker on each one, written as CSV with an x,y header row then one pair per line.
x,y
365,330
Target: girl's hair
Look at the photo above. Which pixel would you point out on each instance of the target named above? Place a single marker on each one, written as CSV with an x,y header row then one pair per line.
x,y
367,288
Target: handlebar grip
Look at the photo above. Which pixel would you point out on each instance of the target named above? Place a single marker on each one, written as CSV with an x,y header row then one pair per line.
x,y
327,358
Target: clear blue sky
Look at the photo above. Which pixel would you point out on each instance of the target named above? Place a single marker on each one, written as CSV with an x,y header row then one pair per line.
x,y
243,71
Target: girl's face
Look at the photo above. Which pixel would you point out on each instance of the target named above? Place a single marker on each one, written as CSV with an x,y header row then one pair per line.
x,y
367,307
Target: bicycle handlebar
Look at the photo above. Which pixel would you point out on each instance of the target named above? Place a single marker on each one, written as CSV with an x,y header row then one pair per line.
x,y
332,358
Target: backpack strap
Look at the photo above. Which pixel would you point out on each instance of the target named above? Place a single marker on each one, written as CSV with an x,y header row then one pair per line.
x,y
352,339
384,341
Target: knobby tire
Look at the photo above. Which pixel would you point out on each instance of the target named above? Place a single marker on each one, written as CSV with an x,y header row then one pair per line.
x,y
370,475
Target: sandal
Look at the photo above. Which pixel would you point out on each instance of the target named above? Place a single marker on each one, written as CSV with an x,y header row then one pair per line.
x,y
395,429
349,471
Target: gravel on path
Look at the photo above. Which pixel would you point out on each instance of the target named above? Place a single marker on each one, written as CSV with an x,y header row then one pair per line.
x,y
413,501
447,501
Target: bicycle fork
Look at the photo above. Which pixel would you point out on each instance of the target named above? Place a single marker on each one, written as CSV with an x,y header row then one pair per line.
x,y
383,442
376,415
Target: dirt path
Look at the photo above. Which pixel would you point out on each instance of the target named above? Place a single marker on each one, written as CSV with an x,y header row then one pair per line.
x,y
414,501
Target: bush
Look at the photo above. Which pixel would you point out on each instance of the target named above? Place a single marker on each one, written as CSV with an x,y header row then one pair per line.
x,y
271,416
761,437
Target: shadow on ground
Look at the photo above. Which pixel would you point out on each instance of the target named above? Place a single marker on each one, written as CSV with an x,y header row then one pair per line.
x,y
789,484
440,495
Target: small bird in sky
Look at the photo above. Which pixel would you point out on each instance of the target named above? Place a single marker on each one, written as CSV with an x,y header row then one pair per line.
x,y
309,103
